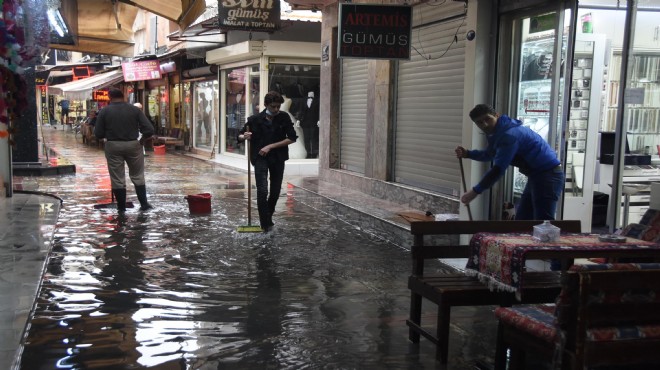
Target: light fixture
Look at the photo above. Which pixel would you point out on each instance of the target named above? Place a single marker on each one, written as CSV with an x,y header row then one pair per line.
x,y
53,4
56,22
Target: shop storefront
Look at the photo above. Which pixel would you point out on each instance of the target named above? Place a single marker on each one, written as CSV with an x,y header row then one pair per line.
x,y
78,98
602,100
247,72
391,126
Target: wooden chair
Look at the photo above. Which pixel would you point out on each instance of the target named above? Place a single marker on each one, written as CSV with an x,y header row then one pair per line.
x,y
457,289
606,315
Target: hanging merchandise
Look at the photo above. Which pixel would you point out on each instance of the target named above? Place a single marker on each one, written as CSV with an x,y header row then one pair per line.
x,y
19,46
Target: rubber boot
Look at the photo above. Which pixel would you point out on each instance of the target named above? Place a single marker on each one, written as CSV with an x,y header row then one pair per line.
x,y
264,222
141,191
120,198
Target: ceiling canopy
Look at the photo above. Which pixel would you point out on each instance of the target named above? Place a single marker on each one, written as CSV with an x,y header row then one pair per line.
x,y
105,26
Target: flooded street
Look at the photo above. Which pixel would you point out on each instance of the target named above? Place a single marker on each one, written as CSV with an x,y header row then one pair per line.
x,y
165,289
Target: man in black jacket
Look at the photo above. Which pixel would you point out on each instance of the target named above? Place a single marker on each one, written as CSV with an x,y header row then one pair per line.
x,y
120,124
270,134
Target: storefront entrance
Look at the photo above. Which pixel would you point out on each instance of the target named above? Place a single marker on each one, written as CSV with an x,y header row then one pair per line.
x,y
531,85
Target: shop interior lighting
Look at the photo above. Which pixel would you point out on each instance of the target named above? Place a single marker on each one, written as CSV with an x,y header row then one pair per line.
x,y
57,22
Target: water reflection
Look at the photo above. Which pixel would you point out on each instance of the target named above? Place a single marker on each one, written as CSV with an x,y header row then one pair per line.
x,y
167,290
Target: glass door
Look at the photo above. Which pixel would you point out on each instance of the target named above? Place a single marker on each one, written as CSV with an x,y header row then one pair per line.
x,y
531,84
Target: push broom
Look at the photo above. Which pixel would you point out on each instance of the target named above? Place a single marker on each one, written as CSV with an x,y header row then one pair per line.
x,y
249,228
460,161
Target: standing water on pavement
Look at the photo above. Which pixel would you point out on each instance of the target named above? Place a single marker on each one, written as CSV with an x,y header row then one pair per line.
x,y
165,289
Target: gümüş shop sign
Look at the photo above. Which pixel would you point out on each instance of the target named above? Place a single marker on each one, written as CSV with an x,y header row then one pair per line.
x,y
249,15
374,31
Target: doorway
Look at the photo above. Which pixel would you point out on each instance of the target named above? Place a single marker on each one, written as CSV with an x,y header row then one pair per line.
x,y
530,83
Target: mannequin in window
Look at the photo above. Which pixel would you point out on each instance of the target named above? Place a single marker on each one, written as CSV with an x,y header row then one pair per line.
x,y
277,86
203,120
297,149
310,125
235,115
296,90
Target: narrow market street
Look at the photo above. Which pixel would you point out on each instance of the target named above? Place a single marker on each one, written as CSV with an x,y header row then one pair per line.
x,y
165,289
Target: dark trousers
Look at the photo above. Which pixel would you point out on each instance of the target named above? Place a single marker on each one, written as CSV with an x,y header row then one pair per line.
x,y
540,196
311,135
267,200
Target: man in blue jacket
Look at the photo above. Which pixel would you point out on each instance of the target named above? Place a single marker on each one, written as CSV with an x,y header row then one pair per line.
x,y
511,143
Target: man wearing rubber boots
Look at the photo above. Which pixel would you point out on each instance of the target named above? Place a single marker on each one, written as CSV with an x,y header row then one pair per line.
x,y
270,134
120,124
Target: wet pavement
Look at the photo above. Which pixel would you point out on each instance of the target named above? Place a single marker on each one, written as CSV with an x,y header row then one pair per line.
x,y
165,289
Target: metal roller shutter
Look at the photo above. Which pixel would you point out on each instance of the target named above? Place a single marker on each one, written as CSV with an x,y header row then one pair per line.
x,y
429,112
354,80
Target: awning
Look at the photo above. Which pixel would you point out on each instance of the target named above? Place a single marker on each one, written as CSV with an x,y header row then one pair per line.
x,y
183,12
106,27
82,89
98,27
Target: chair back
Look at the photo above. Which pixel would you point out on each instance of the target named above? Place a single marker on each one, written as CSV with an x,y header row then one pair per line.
x,y
609,314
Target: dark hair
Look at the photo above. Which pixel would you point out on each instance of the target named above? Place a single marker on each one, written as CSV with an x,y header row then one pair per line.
x,y
480,110
273,97
116,94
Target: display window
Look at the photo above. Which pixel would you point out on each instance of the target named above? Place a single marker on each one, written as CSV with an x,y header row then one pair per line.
x,y
240,105
163,107
205,114
180,109
153,109
299,85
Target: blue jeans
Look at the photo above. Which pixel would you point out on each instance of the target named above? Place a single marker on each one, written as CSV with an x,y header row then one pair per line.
x,y
541,194
266,201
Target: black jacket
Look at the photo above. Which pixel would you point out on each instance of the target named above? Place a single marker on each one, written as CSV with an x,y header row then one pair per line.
x,y
281,128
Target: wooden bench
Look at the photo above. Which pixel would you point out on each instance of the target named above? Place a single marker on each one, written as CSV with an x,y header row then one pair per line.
x,y
173,139
457,289
606,315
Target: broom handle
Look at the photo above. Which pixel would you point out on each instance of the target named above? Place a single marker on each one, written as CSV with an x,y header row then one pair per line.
x,y
249,204
460,160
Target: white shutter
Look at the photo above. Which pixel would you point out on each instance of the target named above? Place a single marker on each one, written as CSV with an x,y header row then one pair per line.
x,y
429,112
431,13
354,79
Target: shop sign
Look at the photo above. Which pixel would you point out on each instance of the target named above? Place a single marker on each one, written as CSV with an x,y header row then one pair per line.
x,y
80,72
374,31
100,95
249,15
142,70
542,23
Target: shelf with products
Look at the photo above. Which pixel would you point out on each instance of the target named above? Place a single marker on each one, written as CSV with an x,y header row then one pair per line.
x,y
580,101
642,121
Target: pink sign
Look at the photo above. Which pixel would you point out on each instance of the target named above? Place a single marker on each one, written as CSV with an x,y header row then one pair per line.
x,y
140,71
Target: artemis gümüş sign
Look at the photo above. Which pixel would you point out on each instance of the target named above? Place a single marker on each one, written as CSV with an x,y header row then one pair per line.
x,y
374,31
249,15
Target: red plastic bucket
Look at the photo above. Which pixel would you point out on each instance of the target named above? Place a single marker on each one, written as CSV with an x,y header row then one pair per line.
x,y
159,149
199,203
